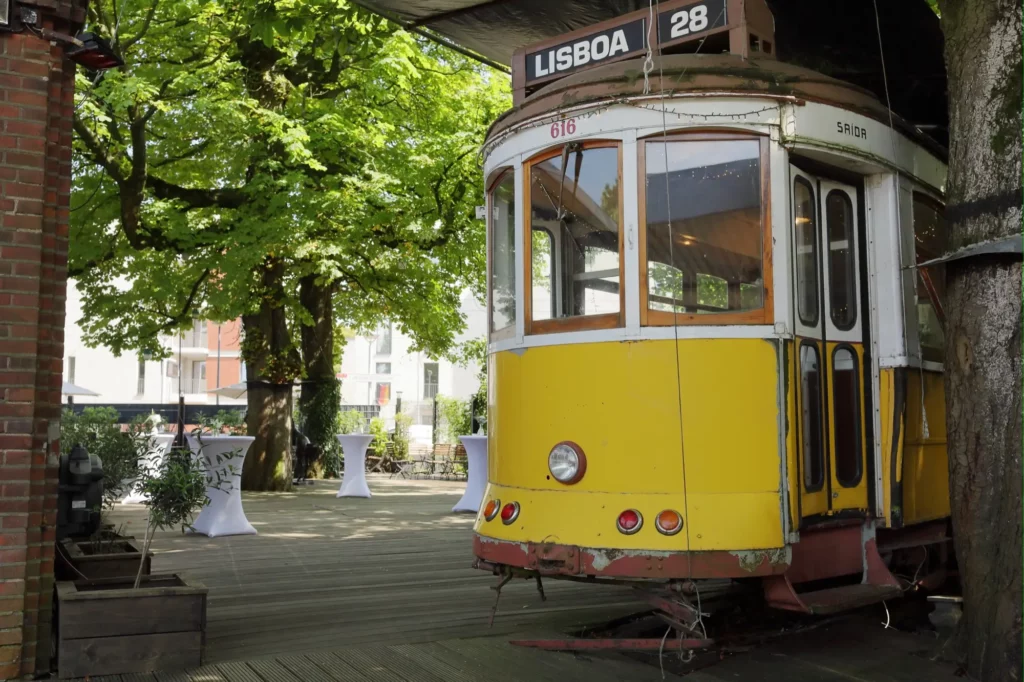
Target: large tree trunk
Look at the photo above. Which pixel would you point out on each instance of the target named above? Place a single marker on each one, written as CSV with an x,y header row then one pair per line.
x,y
983,329
320,401
274,364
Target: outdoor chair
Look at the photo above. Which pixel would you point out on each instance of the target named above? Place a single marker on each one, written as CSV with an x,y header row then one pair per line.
x,y
460,462
441,460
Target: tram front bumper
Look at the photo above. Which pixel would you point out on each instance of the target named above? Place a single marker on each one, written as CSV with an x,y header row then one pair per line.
x,y
552,559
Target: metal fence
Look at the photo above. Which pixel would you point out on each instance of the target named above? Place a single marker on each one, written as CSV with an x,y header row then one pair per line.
x,y
368,411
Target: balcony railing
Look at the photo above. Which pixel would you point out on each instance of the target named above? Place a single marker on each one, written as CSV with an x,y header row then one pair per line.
x,y
192,339
189,385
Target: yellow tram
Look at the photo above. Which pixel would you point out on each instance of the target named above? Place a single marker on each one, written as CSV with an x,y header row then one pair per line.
x,y
711,353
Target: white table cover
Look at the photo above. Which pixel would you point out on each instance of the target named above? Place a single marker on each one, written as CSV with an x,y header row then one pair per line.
x,y
476,477
224,514
353,483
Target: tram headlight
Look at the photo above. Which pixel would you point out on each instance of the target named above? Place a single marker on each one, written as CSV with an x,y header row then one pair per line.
x,y
567,463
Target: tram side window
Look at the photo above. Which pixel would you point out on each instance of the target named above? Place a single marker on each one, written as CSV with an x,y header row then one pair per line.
x,y
846,411
704,227
503,253
574,234
810,417
842,268
806,229
929,243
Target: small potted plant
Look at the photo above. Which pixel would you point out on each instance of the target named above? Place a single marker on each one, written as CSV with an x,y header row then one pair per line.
x,y
107,552
164,615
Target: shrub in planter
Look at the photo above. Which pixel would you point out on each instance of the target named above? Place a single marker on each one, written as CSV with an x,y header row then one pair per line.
x,y
140,624
123,452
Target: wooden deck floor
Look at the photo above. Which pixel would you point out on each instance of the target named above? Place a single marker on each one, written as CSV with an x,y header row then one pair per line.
x,y
329,572
337,590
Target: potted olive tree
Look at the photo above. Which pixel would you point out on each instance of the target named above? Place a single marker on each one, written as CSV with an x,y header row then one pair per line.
x,y
105,553
140,623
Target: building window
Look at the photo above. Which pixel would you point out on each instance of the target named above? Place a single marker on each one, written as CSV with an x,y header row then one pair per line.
x,y
430,380
383,368
71,369
575,205
842,263
806,230
929,243
502,227
384,339
243,372
140,388
704,234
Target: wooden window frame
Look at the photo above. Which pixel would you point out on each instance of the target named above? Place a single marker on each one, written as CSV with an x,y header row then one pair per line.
x,y
578,322
496,177
766,313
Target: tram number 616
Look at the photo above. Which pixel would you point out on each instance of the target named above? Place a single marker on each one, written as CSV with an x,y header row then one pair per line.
x,y
563,128
685,22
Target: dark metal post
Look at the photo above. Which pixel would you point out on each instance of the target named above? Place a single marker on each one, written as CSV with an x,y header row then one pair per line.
x,y
179,440
433,426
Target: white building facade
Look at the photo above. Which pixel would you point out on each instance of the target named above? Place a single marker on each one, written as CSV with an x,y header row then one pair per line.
x,y
378,369
382,369
203,358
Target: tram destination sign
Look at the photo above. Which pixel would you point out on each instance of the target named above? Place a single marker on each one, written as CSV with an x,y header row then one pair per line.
x,y
624,38
588,50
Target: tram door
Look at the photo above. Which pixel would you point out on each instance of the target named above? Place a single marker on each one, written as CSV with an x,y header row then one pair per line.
x,y
830,347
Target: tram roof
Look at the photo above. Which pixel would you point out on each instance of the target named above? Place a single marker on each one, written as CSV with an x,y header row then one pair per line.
x,y
838,39
712,74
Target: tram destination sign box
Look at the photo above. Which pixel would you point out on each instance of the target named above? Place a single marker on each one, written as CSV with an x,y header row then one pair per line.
x,y
676,23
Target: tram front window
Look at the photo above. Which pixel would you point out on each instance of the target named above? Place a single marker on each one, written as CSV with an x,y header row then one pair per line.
x,y
574,236
704,228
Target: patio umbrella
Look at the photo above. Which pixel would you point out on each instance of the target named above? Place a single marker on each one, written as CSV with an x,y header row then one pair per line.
x,y
70,390
233,391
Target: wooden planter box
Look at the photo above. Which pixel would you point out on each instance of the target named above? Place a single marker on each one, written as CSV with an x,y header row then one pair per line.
x,y
104,627
93,560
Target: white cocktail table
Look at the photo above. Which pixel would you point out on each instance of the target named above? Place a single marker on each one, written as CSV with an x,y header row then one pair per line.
x,y
476,477
224,514
354,445
150,463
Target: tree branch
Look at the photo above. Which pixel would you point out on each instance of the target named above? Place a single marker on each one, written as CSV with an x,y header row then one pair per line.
x,y
196,198
97,152
144,30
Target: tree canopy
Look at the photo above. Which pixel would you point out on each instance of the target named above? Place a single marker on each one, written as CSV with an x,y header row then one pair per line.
x,y
309,132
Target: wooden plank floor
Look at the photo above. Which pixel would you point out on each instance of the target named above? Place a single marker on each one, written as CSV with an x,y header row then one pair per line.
x,y
328,572
382,590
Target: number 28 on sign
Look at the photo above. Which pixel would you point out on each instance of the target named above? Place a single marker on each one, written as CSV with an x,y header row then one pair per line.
x,y
563,128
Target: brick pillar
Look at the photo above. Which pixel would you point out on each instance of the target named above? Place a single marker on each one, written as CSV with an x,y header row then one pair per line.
x,y
36,109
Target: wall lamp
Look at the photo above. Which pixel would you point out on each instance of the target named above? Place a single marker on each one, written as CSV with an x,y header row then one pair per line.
x,y
86,49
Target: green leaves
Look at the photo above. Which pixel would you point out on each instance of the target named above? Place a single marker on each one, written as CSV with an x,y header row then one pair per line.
x,y
309,131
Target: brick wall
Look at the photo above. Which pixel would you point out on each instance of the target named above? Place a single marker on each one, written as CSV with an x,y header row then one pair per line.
x,y
36,109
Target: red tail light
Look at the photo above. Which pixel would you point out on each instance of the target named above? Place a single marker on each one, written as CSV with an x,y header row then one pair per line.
x,y
629,521
509,513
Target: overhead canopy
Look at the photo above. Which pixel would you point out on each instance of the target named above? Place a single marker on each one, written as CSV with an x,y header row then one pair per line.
x,y
837,38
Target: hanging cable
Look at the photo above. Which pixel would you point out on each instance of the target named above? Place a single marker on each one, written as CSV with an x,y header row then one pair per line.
x,y
899,216
649,57
675,313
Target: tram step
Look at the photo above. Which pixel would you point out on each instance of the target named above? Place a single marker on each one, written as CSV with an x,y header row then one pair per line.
x,y
837,599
